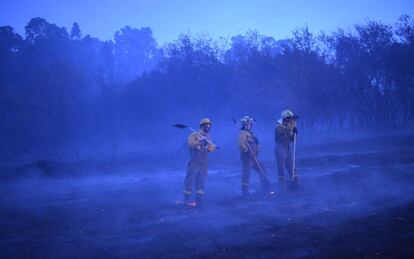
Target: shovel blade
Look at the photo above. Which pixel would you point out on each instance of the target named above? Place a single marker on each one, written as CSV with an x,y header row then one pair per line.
x,y
180,126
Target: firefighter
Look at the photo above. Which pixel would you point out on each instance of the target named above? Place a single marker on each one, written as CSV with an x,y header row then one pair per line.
x,y
199,144
284,134
249,149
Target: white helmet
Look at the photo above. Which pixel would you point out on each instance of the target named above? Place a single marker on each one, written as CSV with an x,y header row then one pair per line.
x,y
287,113
246,120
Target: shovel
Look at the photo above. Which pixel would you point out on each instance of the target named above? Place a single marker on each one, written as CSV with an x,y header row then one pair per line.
x,y
295,184
182,126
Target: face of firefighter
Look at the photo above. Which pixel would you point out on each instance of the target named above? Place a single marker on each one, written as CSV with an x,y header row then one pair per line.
x,y
248,126
206,127
290,121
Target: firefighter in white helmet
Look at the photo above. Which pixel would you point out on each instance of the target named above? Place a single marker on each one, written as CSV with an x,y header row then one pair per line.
x,y
199,144
249,149
284,134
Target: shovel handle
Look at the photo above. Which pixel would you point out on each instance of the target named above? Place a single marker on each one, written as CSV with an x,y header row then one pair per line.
x,y
294,157
208,141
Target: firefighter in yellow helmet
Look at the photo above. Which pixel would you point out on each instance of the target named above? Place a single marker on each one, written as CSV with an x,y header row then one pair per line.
x,y
199,144
249,149
284,134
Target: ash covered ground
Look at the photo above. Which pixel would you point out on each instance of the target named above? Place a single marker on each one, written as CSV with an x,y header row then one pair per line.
x,y
356,200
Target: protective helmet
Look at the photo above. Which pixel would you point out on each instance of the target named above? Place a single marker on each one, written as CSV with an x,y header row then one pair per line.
x,y
288,113
246,120
205,121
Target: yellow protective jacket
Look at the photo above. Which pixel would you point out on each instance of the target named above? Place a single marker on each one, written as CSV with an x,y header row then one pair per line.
x,y
199,148
283,135
248,137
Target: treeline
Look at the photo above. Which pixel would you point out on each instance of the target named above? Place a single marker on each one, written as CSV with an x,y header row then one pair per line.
x,y
60,88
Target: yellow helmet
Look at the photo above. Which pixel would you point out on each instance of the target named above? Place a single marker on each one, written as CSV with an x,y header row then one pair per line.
x,y
205,121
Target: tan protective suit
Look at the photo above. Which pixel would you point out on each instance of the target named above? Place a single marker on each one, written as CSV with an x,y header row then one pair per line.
x,y
198,165
246,139
283,137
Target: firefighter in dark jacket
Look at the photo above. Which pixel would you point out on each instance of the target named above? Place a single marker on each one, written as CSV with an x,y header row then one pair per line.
x,y
284,135
249,149
199,144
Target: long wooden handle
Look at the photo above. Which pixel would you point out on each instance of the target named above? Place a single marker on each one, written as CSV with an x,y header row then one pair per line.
x,y
294,157
250,149
198,133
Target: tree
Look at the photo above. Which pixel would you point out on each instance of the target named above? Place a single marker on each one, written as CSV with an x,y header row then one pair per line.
x,y
10,42
135,51
75,32
38,29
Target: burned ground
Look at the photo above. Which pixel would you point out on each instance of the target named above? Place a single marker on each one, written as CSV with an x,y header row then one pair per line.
x,y
353,202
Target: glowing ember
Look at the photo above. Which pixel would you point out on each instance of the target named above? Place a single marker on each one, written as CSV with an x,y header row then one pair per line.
x,y
192,204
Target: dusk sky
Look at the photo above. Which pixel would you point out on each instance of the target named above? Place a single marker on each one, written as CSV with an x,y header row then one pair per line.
x,y
168,19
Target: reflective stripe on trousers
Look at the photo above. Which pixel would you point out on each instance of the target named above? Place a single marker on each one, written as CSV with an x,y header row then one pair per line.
x,y
247,163
284,161
196,174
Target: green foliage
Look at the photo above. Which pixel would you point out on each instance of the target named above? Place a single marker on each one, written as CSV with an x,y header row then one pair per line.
x,y
57,88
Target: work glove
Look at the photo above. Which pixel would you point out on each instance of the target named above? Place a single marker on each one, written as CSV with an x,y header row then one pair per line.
x,y
203,140
295,130
291,124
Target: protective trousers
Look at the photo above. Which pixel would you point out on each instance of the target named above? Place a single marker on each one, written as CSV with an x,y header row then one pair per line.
x,y
196,174
249,162
284,160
